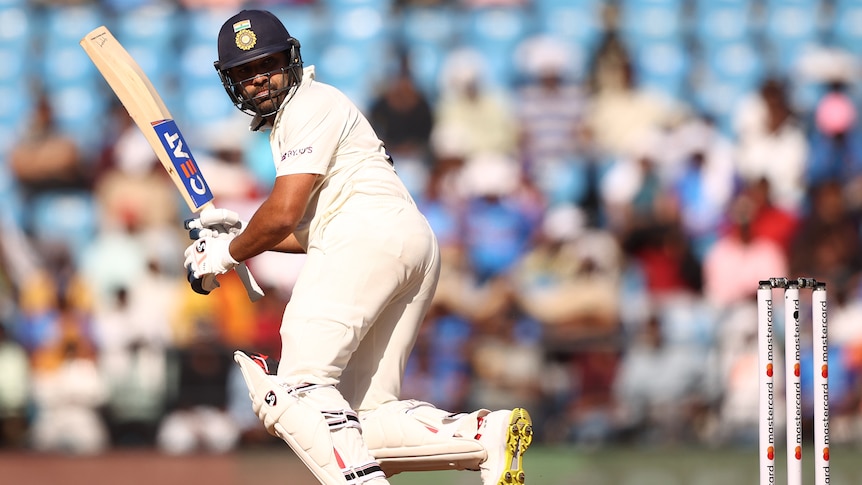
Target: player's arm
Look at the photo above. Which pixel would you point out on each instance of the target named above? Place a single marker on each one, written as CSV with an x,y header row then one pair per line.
x,y
289,245
274,221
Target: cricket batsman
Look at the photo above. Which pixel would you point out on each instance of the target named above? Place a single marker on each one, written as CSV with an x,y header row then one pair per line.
x,y
371,270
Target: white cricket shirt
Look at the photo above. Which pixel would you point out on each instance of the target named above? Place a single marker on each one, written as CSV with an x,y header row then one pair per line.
x,y
320,130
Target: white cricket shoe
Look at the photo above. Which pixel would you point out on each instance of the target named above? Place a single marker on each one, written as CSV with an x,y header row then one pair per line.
x,y
506,436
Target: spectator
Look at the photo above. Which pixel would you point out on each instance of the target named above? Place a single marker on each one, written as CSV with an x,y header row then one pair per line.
x,y
439,367
45,159
484,118
828,245
621,115
506,357
740,255
769,220
131,186
133,362
497,227
661,389
402,116
14,391
772,144
68,397
568,280
705,183
549,105
836,143
197,419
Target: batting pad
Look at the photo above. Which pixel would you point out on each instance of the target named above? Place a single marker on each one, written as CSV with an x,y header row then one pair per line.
x,y
317,424
416,436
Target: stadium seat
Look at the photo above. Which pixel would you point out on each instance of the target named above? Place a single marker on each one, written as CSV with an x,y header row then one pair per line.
x,y
789,28
719,99
426,34
383,6
495,32
66,25
651,20
436,26
16,47
425,63
847,26
158,24
736,63
201,101
577,22
308,24
68,217
363,25
202,25
663,67
346,67
15,113
720,22
80,110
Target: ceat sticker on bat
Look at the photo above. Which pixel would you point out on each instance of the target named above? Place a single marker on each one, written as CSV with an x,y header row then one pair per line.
x,y
183,161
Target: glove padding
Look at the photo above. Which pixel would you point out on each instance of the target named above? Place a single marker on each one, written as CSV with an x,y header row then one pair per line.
x,y
217,220
208,257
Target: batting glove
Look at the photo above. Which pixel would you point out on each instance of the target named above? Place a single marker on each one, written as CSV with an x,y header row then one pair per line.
x,y
209,256
216,220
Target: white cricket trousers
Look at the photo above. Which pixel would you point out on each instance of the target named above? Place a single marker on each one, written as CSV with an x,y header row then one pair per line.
x,y
359,300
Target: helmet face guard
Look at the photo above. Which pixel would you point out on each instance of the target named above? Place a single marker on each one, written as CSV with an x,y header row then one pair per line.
x,y
234,87
248,36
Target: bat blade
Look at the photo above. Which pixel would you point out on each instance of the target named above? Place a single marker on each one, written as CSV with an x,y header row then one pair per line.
x,y
149,112
147,109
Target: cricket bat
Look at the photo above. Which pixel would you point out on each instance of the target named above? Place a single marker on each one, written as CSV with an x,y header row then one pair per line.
x,y
148,110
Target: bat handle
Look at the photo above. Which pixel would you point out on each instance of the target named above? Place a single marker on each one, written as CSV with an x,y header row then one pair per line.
x,y
253,290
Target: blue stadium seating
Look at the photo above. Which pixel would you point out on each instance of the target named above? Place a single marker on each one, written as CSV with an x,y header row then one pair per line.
x,y
309,25
15,46
363,25
428,25
847,26
789,27
738,62
495,32
576,21
425,63
159,24
427,34
651,20
79,109
663,67
384,6
719,22
345,66
201,99
15,113
65,217
65,25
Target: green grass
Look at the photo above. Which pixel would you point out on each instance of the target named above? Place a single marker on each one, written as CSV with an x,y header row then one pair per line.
x,y
641,466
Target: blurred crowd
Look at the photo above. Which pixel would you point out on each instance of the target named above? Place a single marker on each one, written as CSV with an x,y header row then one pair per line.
x,y
602,244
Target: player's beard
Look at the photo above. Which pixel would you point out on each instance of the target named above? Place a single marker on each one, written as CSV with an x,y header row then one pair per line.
x,y
268,101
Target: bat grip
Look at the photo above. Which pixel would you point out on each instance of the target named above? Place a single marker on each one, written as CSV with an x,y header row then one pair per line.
x,y
252,288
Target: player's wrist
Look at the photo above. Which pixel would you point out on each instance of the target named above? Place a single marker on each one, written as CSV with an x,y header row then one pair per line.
x,y
228,260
